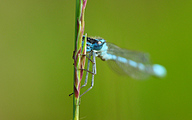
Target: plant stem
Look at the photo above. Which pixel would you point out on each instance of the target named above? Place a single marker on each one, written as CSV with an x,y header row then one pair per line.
x,y
79,60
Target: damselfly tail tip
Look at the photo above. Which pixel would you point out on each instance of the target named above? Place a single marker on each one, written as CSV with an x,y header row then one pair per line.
x,y
159,70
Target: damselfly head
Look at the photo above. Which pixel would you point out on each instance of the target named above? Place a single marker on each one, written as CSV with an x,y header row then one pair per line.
x,y
99,44
94,43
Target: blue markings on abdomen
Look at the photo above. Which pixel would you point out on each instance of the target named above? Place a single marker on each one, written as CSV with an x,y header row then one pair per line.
x,y
141,66
159,70
121,59
155,69
132,63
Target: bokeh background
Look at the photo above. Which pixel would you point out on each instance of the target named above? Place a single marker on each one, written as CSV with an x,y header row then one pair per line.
x,y
36,65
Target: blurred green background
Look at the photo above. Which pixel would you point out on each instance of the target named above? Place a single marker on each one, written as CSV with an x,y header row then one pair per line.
x,y
36,65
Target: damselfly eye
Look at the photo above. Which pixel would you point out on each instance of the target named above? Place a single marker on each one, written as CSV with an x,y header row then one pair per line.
x,y
99,42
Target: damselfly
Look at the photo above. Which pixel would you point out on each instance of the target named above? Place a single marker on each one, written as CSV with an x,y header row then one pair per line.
x,y
135,64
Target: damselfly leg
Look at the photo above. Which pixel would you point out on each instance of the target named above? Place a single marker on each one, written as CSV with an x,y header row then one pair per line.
x,y
93,73
87,73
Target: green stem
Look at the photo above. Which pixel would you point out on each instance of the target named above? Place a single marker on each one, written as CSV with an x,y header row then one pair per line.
x,y
79,61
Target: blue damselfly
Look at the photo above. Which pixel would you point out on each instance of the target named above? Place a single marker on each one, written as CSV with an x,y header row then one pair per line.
x,y
135,64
